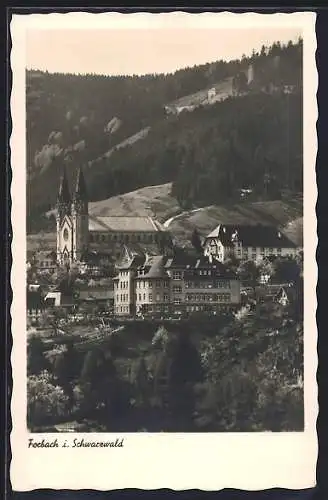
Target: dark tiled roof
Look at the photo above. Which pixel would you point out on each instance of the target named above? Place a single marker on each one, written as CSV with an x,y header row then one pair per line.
x,y
290,291
80,187
252,236
63,193
154,267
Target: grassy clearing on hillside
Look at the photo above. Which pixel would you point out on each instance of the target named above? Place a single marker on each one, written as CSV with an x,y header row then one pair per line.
x,y
157,202
153,201
277,213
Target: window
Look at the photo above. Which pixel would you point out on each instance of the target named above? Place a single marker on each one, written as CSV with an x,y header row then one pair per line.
x,y
144,296
103,237
165,284
139,297
166,297
65,234
177,289
150,297
158,284
188,284
177,275
177,300
150,284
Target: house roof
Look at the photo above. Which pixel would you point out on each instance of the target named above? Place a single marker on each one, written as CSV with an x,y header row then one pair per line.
x,y
45,254
59,298
289,291
123,224
251,236
154,267
96,294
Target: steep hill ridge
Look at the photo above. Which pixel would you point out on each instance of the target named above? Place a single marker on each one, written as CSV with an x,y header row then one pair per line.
x,y
76,119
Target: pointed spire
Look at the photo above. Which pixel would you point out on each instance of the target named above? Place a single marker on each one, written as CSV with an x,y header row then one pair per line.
x,y
63,193
80,188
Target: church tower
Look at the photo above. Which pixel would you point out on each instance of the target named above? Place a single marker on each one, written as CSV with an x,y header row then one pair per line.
x,y
80,217
64,223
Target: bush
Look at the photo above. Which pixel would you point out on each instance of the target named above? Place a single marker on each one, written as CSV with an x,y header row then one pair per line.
x,y
46,402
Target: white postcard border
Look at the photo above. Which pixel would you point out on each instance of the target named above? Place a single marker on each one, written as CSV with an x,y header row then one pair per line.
x,y
250,461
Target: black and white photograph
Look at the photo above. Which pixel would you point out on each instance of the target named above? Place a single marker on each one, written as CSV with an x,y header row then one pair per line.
x,y
164,256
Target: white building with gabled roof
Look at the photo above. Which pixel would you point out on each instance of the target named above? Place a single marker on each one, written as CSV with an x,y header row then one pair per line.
x,y
251,242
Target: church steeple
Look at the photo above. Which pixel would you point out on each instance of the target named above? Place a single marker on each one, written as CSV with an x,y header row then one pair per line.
x,y
63,193
80,193
63,197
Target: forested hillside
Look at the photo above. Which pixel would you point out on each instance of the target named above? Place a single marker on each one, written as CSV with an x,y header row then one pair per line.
x,y
251,140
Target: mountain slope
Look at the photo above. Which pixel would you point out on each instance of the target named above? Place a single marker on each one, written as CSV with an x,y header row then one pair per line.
x,y
77,119
158,202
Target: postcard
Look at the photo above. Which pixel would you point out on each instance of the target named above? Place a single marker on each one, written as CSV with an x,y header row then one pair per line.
x,y
164,236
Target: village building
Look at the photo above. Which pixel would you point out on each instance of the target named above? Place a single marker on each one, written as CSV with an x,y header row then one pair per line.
x,y
44,261
253,242
96,295
286,295
34,300
179,284
79,234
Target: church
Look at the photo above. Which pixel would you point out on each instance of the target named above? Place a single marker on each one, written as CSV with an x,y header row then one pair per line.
x,y
80,234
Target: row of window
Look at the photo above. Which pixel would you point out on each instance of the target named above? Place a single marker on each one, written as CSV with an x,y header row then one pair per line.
x,y
46,263
202,308
126,238
122,285
262,250
143,297
124,297
208,284
149,284
178,275
208,297
122,309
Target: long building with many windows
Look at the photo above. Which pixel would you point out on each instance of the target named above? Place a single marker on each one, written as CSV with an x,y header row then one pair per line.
x,y
179,284
253,242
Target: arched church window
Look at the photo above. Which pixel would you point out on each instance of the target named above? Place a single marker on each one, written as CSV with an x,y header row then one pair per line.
x,y
65,234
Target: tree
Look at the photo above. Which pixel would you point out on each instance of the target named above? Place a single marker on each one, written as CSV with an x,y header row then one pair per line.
x,y
66,368
176,370
36,359
97,381
45,400
141,381
286,270
248,273
196,241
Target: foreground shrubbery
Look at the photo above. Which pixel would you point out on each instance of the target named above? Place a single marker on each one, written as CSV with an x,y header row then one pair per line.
x,y
237,375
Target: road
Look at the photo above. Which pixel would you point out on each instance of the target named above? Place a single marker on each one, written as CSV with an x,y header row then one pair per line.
x,y
167,223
